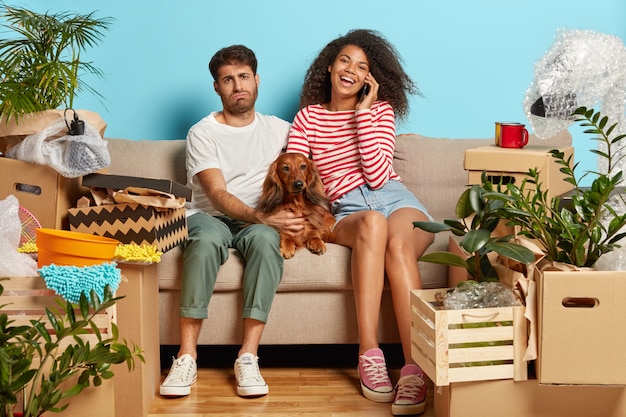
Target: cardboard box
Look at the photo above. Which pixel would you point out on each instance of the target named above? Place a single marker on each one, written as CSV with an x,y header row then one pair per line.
x,y
13,131
132,223
507,165
25,299
41,190
581,327
469,344
120,182
527,399
137,314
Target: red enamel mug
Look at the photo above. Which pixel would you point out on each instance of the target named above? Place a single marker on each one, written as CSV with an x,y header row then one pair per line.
x,y
511,135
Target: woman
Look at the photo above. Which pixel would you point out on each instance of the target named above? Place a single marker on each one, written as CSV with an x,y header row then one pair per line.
x,y
351,96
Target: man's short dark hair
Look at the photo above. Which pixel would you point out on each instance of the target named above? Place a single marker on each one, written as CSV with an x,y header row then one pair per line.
x,y
230,55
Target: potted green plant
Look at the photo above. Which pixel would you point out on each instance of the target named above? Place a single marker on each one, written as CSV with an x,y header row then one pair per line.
x,y
575,233
578,232
478,213
33,366
41,66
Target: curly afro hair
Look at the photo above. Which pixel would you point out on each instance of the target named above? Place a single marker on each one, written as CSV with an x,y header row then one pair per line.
x,y
385,65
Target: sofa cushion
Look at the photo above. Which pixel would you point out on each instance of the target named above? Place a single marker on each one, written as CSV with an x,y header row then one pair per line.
x,y
304,272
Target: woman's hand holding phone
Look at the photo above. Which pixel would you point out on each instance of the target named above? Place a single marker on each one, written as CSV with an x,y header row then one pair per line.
x,y
368,94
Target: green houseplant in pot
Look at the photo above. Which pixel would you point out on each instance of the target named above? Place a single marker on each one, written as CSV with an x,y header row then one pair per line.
x,y
36,370
575,294
580,231
40,63
574,232
478,213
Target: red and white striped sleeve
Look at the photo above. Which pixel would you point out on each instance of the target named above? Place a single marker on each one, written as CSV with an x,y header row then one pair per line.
x,y
376,142
298,140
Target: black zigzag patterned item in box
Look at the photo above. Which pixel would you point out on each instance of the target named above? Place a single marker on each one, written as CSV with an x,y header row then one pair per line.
x,y
132,223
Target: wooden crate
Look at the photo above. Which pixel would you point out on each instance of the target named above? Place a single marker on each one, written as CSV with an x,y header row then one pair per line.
x,y
467,345
26,299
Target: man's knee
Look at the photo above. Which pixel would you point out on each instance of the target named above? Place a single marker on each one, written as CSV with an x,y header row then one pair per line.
x,y
263,238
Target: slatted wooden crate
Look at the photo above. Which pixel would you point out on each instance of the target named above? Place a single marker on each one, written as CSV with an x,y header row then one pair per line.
x,y
25,299
467,345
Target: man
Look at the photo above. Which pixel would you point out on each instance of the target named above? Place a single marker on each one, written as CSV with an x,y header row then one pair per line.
x,y
228,156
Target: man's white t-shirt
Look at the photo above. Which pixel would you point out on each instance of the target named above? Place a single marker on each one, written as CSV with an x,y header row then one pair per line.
x,y
243,154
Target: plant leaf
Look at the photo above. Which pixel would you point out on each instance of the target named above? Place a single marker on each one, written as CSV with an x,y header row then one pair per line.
x,y
432,227
513,251
475,240
444,258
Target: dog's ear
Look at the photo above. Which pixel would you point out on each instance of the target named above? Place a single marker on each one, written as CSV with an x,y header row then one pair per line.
x,y
273,191
315,187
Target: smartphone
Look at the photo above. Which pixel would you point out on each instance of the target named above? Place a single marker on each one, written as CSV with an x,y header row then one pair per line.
x,y
365,90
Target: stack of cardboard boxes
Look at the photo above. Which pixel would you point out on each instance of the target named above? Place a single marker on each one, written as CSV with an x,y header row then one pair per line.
x,y
52,199
580,368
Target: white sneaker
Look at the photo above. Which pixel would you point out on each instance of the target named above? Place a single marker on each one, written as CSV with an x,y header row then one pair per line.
x,y
250,383
181,377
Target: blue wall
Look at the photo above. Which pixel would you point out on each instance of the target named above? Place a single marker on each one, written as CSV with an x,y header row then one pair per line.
x,y
472,60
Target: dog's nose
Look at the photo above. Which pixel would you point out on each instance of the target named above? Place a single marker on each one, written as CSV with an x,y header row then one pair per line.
x,y
298,185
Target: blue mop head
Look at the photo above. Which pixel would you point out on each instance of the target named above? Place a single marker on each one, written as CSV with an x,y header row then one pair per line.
x,y
71,281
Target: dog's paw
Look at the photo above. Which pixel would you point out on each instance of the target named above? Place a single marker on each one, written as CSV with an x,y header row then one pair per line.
x,y
316,246
287,249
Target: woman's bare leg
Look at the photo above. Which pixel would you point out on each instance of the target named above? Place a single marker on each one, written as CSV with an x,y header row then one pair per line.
x,y
366,234
404,246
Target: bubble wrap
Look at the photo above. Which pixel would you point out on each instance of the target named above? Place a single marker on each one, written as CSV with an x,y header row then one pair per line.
x,y
70,156
473,294
13,263
583,68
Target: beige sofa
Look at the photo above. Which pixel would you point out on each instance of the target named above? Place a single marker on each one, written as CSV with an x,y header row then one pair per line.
x,y
314,303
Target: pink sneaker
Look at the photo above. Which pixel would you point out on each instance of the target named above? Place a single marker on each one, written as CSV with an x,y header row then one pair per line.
x,y
411,392
375,382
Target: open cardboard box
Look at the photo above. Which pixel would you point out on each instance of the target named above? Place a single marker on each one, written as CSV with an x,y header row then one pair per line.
x,y
142,224
13,131
132,223
120,182
41,190
582,327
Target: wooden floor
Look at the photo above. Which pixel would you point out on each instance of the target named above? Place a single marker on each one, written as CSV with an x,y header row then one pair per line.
x,y
318,390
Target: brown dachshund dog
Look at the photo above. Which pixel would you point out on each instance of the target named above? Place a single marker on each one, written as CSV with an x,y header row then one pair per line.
x,y
293,183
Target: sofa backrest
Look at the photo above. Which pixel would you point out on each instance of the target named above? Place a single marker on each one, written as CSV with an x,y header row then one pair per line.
x,y
161,159
432,168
